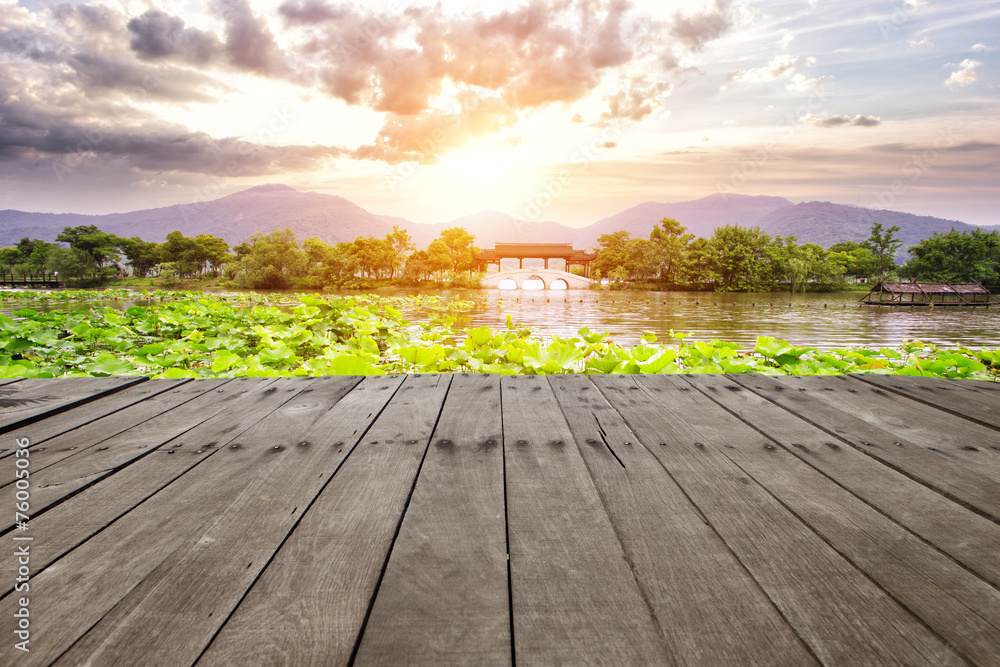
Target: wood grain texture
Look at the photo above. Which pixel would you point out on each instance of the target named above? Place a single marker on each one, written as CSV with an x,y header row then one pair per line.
x,y
709,608
960,441
929,467
834,607
310,604
983,409
147,538
443,598
232,546
575,599
31,400
71,522
960,607
125,400
967,537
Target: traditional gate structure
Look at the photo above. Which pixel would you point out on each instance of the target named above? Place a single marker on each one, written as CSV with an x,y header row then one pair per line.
x,y
544,251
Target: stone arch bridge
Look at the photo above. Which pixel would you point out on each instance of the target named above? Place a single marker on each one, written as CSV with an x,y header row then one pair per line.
x,y
547,276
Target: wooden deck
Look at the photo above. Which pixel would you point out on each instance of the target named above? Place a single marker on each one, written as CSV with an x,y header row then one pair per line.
x,y
474,519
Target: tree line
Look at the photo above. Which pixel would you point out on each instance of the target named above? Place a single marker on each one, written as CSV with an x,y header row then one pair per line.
x,y
747,259
734,258
272,260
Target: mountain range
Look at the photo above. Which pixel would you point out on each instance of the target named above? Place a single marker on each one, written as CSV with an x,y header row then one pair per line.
x,y
265,208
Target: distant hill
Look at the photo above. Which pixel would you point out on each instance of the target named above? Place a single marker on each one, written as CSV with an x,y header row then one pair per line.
x,y
700,216
235,218
333,219
824,223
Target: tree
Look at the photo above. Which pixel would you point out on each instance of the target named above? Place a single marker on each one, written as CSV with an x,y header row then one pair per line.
x,y
611,254
858,263
741,257
271,261
956,257
883,244
101,246
215,251
640,259
401,244
141,255
453,247
670,242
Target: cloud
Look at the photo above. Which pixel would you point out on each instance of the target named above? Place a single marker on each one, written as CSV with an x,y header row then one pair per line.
x,y
158,35
965,74
831,120
921,43
780,66
983,47
249,44
697,29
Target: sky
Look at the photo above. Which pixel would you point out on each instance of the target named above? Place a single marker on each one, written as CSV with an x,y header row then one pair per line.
x,y
565,110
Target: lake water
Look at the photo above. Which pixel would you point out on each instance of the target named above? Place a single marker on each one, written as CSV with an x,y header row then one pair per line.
x,y
821,320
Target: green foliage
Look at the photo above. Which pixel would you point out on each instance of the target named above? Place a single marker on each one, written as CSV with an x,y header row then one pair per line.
x,y
956,258
883,245
192,334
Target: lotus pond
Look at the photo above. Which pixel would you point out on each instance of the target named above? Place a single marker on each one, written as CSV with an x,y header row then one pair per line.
x,y
168,334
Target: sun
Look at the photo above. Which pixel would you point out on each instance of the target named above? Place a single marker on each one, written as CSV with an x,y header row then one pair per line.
x,y
482,166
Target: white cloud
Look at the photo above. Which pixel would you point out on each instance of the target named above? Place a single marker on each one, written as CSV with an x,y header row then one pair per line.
x,y
786,39
921,43
983,47
800,83
780,66
833,120
728,123
965,74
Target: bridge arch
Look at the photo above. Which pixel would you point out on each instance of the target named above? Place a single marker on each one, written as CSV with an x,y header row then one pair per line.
x,y
547,276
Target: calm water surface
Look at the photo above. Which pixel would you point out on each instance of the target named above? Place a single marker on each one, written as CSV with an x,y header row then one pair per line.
x,y
821,320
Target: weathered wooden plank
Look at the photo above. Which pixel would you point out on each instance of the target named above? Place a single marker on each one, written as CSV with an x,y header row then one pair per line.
x,y
70,523
981,408
72,462
191,593
309,605
834,607
709,608
104,433
968,537
977,385
39,432
928,467
962,442
575,599
154,539
31,400
444,595
957,605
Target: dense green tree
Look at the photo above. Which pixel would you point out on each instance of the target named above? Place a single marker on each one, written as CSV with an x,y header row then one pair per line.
x,y
272,261
142,255
858,263
74,265
956,257
215,251
101,246
453,247
741,257
402,245
670,240
611,253
883,244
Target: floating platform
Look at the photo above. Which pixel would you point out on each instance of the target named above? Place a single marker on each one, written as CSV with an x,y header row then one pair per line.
x,y
478,519
928,294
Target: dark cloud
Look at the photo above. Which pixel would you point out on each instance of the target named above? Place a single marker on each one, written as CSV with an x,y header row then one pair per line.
x,y
159,35
833,120
309,12
249,44
697,29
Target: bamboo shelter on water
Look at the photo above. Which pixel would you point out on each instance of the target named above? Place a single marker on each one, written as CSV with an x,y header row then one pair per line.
x,y
928,294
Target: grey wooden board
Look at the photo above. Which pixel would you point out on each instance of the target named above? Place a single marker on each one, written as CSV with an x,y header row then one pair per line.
x,y
92,436
575,599
6,381
833,606
29,400
443,598
73,462
310,604
69,524
968,537
928,467
962,442
979,407
146,539
976,385
960,607
125,400
708,606
193,590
